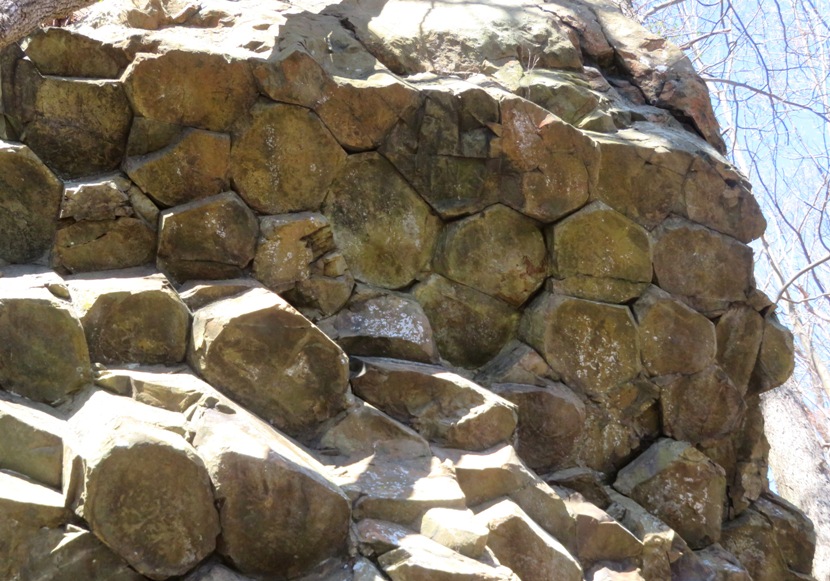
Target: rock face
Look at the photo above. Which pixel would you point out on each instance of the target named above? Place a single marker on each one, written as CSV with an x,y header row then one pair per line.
x,y
393,290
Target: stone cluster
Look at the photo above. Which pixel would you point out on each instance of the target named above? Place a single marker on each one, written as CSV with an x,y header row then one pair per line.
x,y
394,290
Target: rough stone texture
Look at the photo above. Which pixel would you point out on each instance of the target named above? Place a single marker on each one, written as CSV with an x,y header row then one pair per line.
x,y
32,322
725,565
261,352
550,422
284,159
498,252
54,52
104,245
601,538
30,195
517,363
192,167
673,337
592,346
776,359
185,76
441,406
520,544
131,317
31,440
458,530
383,324
470,327
210,238
200,293
739,333
681,486
384,229
300,518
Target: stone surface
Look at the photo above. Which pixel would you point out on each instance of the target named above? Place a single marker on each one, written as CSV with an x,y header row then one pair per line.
x,y
262,353
470,327
185,100
601,538
167,527
300,517
458,530
200,293
681,486
104,198
443,407
592,346
380,323
498,252
382,227
104,245
30,195
520,544
54,50
32,322
776,359
516,363
284,159
194,166
550,422
31,440
739,333
725,565
131,316
210,238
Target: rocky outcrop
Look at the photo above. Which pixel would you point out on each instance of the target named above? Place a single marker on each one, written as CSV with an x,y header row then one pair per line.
x,y
366,291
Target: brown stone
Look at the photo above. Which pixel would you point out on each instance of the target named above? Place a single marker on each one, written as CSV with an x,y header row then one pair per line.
x,y
601,538
517,363
776,357
54,52
458,530
739,332
31,440
95,245
725,565
104,198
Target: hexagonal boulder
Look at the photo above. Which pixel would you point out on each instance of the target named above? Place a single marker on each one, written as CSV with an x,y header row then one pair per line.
x,y
601,538
602,243
681,486
262,353
550,421
673,337
94,245
210,238
279,514
194,166
284,159
442,406
30,196
706,267
131,316
776,357
381,225
739,332
54,50
701,406
498,252
31,440
199,89
470,327
33,322
592,346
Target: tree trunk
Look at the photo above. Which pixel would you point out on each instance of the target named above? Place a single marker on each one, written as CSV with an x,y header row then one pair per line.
x,y
20,17
798,465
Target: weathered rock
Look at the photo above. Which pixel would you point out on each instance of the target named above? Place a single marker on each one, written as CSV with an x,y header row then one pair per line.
x,y
723,563
25,508
776,359
550,421
470,327
592,346
520,544
105,198
588,483
210,238
31,440
561,93
380,323
131,317
603,290
702,406
32,322
200,293
284,159
185,100
706,267
443,407
455,529
384,229
603,572
279,515
673,337
794,532
739,333
213,571
399,491
517,363
55,52
366,431
70,553
173,389
78,126
375,537
170,522
262,353
30,195
104,245
601,538
679,485
192,167
601,243
498,252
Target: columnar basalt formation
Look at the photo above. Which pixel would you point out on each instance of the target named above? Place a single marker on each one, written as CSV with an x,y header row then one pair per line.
x,y
390,290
